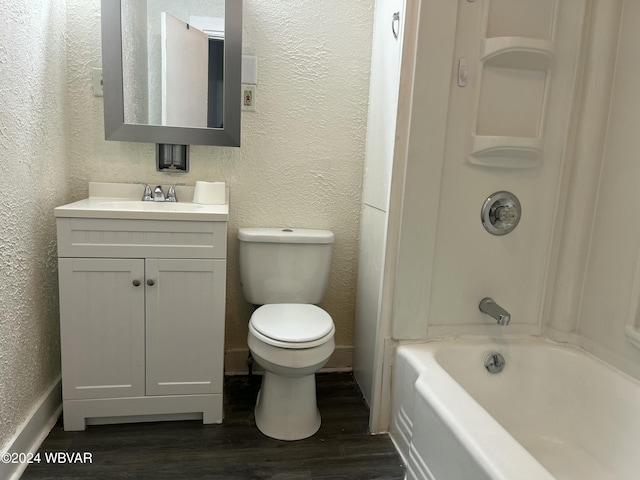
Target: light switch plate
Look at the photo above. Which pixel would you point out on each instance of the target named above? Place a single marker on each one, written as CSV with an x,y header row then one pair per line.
x,y
249,69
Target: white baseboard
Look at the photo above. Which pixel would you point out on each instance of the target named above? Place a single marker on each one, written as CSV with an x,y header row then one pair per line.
x,y
34,430
235,361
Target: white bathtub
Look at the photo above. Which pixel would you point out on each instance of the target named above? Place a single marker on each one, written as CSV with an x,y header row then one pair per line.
x,y
553,412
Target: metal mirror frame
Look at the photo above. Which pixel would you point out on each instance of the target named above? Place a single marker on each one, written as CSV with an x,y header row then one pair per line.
x,y
114,124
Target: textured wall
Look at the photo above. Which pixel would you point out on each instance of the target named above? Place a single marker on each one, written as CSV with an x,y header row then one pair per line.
x,y
302,151
33,166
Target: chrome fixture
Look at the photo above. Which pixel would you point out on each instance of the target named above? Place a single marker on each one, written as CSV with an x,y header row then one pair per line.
x,y
172,158
158,194
396,19
494,363
491,308
501,213
171,194
147,196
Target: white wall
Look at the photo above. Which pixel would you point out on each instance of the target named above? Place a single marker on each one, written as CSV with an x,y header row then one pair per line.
x,y
447,262
302,153
33,162
602,288
380,146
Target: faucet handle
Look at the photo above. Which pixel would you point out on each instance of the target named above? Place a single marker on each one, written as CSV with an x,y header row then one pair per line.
x,y
147,196
171,194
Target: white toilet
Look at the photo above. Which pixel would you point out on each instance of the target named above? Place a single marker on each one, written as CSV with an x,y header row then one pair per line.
x,y
286,271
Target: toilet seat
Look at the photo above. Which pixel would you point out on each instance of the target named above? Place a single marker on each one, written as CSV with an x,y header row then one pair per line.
x,y
292,325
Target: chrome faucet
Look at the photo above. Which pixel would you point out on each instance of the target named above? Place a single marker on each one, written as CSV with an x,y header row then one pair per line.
x,y
171,194
158,194
491,308
147,196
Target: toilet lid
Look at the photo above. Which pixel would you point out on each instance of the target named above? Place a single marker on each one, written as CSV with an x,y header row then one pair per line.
x,y
292,322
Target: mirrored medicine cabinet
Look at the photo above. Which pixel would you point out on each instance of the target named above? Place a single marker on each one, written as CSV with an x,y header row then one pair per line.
x,y
172,72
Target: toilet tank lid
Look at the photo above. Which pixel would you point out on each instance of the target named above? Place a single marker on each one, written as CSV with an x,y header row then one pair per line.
x,y
285,235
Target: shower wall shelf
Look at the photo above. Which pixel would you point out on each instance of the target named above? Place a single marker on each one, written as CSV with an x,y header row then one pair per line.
x,y
517,53
506,152
515,58
521,53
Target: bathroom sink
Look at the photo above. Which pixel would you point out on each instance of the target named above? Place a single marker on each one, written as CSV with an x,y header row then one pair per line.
x,y
106,206
111,208
133,205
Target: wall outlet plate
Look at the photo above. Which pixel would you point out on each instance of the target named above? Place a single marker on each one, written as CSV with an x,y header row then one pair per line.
x,y
248,98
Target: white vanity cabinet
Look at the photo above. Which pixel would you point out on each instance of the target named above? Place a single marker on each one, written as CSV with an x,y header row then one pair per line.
x,y
142,304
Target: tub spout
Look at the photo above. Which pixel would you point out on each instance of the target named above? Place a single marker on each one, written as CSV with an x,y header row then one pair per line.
x,y
491,308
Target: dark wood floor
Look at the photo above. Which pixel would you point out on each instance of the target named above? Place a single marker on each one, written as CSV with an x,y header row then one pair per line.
x,y
342,448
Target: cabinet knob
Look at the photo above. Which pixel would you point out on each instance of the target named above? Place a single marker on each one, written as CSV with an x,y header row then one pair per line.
x,y
151,283
136,283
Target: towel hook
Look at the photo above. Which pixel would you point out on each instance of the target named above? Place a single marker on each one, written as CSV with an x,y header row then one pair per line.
x,y
396,18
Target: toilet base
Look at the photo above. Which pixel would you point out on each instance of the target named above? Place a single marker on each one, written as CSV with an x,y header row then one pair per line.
x,y
286,408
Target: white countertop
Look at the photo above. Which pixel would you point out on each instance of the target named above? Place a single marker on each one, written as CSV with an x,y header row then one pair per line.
x,y
123,201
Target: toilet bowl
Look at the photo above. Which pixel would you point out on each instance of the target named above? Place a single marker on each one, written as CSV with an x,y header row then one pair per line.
x,y
291,352
286,270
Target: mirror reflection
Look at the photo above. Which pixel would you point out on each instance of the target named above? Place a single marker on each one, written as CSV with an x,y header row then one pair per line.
x,y
173,62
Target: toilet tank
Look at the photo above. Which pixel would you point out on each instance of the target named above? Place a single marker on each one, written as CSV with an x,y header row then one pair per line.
x,y
284,265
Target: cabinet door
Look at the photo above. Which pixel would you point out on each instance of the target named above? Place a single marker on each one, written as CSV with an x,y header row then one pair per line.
x,y
102,327
185,326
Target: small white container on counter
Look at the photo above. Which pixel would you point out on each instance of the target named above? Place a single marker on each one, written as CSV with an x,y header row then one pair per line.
x,y
209,193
